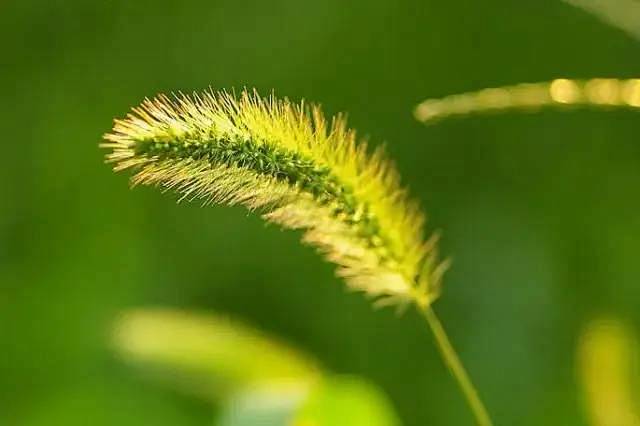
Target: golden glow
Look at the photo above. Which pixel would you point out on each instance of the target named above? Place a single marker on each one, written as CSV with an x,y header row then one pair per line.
x,y
604,91
495,98
564,91
530,96
606,354
631,92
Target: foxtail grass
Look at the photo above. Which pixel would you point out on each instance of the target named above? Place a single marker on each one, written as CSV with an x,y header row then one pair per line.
x,y
300,171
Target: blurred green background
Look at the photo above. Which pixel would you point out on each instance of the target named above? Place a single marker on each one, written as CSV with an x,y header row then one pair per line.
x,y
539,212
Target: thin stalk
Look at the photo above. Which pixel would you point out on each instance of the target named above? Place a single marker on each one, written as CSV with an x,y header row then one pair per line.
x,y
458,371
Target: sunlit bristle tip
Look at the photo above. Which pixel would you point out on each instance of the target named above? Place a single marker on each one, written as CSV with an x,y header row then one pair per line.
x,y
298,169
596,92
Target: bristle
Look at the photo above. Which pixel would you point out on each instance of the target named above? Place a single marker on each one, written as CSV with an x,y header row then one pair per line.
x,y
298,169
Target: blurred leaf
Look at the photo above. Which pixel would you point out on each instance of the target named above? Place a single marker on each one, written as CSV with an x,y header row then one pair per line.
x,y
206,354
265,382
346,401
622,14
606,356
335,401
267,407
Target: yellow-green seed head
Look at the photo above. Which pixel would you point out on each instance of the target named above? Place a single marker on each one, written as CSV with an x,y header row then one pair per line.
x,y
298,170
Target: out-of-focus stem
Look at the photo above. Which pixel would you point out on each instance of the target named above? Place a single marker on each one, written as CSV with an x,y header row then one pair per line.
x,y
458,371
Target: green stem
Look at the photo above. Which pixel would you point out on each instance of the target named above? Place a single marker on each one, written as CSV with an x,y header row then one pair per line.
x,y
452,361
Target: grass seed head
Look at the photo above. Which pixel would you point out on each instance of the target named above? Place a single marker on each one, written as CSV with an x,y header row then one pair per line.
x,y
296,168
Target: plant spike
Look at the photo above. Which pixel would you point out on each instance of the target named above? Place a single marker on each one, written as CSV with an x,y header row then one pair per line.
x,y
301,172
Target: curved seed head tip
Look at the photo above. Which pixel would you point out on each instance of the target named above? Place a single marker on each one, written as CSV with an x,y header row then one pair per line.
x,y
298,169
